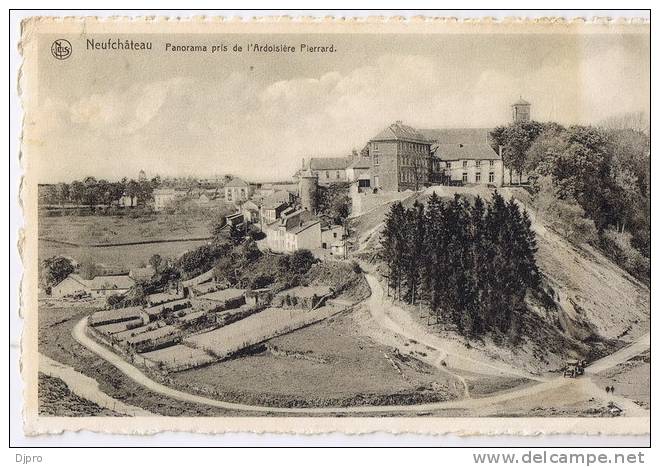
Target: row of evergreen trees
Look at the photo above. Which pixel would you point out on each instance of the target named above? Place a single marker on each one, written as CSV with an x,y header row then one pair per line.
x,y
471,262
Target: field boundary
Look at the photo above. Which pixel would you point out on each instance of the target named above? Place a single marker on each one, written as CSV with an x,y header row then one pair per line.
x,y
107,245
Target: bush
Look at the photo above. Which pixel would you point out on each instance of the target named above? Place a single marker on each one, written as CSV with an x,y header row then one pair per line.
x,y
114,300
568,219
54,270
617,245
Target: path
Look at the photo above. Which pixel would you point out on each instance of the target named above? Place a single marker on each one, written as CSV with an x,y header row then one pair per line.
x,y
80,335
639,346
86,387
397,320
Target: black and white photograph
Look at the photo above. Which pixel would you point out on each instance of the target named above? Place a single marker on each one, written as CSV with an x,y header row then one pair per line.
x,y
435,227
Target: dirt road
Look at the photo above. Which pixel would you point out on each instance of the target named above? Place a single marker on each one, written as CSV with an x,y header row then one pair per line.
x,y
80,335
455,356
87,388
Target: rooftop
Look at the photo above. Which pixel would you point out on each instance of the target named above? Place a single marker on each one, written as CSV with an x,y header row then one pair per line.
x,y
117,314
400,132
329,163
360,163
121,282
454,152
276,199
224,295
237,183
457,135
521,101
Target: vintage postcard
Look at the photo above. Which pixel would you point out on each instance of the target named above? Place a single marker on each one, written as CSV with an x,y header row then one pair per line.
x,y
336,225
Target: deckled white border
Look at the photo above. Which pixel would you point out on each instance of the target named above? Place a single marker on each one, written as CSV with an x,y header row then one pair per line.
x,y
490,426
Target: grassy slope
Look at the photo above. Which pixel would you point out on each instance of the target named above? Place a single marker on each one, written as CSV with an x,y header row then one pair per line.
x,y
303,369
56,399
589,307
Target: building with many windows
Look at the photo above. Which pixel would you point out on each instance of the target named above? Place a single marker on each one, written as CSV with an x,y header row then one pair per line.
x,y
400,159
468,164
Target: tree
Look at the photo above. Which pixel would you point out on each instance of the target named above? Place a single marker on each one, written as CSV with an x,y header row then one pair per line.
x,y
236,234
217,227
420,170
433,268
250,252
55,269
393,243
334,201
515,140
413,260
132,188
301,261
62,191
88,268
145,191
77,192
156,261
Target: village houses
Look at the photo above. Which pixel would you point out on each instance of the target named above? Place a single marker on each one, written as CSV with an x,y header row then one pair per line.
x,y
99,286
237,190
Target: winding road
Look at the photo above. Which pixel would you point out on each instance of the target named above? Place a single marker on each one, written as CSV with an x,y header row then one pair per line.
x,y
391,322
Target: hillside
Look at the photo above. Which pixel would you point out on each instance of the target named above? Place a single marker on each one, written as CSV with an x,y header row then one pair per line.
x,y
586,306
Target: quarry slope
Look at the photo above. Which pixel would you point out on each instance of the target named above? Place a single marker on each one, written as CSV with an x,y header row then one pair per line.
x,y
587,307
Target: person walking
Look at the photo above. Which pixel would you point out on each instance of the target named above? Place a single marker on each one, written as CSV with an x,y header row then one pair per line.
x,y
607,389
612,389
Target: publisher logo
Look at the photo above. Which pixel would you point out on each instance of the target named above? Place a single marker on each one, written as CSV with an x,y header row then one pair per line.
x,y
61,49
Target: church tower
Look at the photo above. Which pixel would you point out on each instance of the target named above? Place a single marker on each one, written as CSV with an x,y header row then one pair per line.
x,y
521,111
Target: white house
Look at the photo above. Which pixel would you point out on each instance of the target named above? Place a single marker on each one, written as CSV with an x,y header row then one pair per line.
x,y
98,287
165,197
237,190
295,231
470,164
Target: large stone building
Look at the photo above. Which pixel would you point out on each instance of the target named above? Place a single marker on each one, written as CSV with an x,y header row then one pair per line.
x,y
464,156
468,164
400,159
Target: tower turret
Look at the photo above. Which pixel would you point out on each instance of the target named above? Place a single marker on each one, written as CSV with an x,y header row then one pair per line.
x,y
307,188
521,111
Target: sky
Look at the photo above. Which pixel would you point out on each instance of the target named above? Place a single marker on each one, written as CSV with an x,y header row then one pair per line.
x,y
111,114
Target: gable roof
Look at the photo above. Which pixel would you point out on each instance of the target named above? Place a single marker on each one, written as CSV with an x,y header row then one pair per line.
x,y
521,101
454,152
400,132
250,205
457,135
276,199
104,282
329,163
236,183
296,221
360,163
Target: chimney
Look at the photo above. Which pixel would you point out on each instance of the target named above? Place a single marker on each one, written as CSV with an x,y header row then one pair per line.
x,y
303,163
500,148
